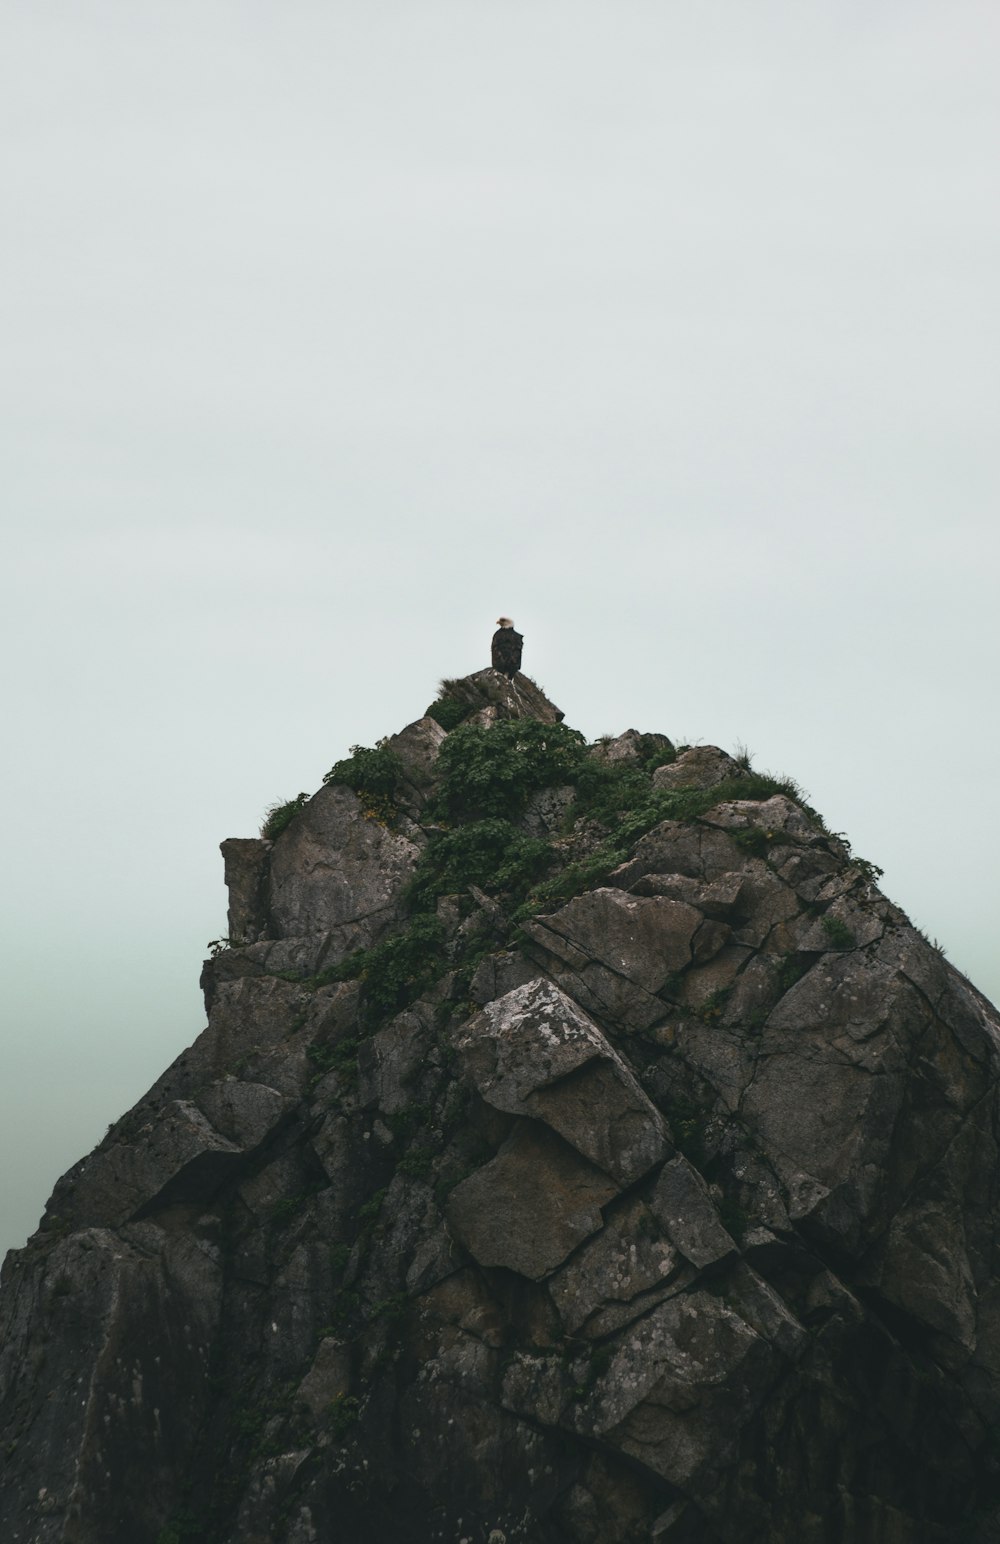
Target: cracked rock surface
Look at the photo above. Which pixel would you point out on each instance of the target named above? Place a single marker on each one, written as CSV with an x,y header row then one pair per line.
x,y
663,1210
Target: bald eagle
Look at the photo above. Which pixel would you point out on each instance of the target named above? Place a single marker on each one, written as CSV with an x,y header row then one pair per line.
x,y
507,646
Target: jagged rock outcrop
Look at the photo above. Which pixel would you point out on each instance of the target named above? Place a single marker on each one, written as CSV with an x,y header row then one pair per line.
x,y
581,1150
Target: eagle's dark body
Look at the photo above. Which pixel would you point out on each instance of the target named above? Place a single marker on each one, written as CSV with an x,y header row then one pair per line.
x,y
506,651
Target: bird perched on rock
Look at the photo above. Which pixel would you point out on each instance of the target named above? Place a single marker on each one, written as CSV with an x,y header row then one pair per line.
x,y
506,649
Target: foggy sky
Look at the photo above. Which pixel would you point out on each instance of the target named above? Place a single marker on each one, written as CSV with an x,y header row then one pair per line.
x,y
332,332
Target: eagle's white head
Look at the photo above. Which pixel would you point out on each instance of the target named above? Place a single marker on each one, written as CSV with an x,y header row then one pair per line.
x,y
505,621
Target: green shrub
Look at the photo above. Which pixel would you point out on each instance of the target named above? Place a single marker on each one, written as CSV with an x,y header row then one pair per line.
x,y
280,815
753,840
398,970
585,874
492,854
340,1057
448,712
368,770
493,771
838,933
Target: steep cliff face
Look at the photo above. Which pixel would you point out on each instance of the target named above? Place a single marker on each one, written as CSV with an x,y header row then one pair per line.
x,y
581,1150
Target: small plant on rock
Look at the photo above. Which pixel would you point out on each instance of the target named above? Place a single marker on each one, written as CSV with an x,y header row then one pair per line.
x,y
278,816
838,933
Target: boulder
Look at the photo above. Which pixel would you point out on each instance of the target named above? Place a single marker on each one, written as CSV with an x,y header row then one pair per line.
x,y
335,867
417,747
491,693
530,1207
535,1052
702,766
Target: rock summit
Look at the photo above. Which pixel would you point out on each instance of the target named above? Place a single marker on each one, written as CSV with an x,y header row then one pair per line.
x,y
581,1150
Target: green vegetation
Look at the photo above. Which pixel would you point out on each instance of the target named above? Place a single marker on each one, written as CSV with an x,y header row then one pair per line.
x,y
448,711
368,1213
485,778
342,1415
493,771
489,853
280,815
395,972
339,1256
838,933
368,769
754,840
373,772
793,967
687,1125
340,1056
714,1005
418,1163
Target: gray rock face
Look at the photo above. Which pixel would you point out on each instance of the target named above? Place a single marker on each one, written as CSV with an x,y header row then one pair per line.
x,y
665,1210
417,747
530,1207
494,697
631,747
534,1052
700,767
246,867
334,869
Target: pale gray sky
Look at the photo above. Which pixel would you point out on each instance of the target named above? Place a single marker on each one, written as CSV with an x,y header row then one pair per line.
x,y
330,331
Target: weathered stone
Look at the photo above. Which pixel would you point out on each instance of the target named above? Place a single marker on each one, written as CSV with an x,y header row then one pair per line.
x,y
773,815
535,1052
500,973
828,1090
545,812
176,1156
248,1015
327,1379
719,899
244,1113
630,747
676,848
647,940
417,747
389,1063
700,767
923,1268
334,868
725,1060
246,862
517,698
96,1454
531,1206
682,1206
627,1259
842,926
680,1387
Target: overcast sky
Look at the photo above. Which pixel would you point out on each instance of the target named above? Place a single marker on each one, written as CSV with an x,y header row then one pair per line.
x,y
333,330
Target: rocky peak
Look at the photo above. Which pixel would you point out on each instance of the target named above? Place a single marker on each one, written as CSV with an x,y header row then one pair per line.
x,y
581,1150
